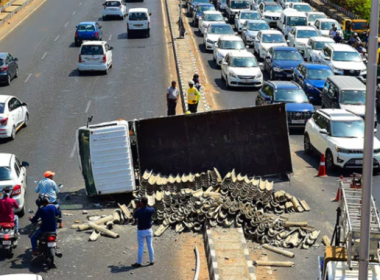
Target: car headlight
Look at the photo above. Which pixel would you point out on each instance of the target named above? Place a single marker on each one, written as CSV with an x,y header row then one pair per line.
x,y
209,41
277,69
309,86
232,74
259,76
363,72
220,56
341,150
338,70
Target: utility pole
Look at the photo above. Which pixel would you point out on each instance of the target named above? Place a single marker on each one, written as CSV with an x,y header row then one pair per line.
x,y
368,142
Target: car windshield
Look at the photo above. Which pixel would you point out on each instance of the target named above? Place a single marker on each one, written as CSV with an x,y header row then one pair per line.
x,y
293,1
138,16
320,45
250,16
273,38
221,30
112,4
287,55
290,95
360,26
5,173
254,26
303,8
202,9
244,62
1,62
273,8
2,106
318,74
239,4
347,56
307,33
347,129
92,50
328,25
297,21
316,16
353,97
232,45
200,1
213,17
86,27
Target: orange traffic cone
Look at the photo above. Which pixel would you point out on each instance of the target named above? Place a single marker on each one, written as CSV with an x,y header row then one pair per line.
x,y
338,195
322,167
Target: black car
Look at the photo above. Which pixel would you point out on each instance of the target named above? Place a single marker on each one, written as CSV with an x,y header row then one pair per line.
x,y
8,68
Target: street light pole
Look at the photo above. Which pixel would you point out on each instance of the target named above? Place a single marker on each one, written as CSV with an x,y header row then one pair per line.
x,y
368,142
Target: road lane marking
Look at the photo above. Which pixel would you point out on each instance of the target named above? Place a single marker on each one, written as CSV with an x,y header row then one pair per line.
x,y
56,39
72,152
74,12
66,24
27,79
110,38
88,106
44,55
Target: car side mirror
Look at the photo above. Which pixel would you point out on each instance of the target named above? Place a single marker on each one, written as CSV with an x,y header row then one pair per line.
x,y
15,59
111,48
24,163
247,47
226,19
100,27
24,104
310,98
150,14
323,131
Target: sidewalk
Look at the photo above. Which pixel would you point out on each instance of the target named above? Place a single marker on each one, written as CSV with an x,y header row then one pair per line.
x,y
11,8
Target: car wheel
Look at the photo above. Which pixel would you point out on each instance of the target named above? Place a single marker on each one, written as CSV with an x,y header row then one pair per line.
x,y
221,75
26,120
105,72
227,85
22,212
271,76
77,43
13,134
330,166
122,17
148,34
104,18
80,72
16,74
308,148
8,81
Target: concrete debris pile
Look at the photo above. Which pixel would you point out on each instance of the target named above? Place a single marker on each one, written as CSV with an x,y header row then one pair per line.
x,y
191,201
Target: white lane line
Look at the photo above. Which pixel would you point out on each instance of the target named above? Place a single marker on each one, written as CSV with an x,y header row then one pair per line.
x,y
66,24
74,12
27,79
80,4
44,55
73,151
56,39
110,38
88,106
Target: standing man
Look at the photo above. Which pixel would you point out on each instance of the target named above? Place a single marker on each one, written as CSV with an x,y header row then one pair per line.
x,y
172,97
6,209
144,231
193,96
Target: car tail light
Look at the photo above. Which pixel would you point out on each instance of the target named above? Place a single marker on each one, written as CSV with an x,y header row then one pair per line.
x,y
4,121
51,238
16,190
96,34
6,236
4,68
104,58
80,59
76,34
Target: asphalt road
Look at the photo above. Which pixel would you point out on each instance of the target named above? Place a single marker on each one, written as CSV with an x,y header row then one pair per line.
x,y
59,101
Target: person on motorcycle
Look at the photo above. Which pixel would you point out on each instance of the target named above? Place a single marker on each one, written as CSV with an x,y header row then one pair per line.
x,y
47,213
49,187
6,209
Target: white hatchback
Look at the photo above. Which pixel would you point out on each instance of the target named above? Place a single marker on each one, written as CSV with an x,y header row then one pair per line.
x,y
95,56
138,21
13,115
114,8
13,175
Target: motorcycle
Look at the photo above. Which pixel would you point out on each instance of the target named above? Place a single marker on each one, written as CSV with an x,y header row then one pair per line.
x,y
38,201
8,238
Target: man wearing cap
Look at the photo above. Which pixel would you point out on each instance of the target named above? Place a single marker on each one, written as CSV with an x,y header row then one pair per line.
x,y
193,96
49,187
172,97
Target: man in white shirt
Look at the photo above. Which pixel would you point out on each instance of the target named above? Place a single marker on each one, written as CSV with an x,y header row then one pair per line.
x,y
172,97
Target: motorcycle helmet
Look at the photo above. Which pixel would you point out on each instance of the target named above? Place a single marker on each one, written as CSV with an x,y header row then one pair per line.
x,y
45,199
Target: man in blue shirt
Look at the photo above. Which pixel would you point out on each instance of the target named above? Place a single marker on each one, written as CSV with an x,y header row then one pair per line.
x,y
144,231
47,213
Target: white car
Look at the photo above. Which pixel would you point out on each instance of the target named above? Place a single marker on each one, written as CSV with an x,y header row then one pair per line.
x,y
21,277
270,12
266,39
250,30
213,32
138,21
340,136
13,175
13,116
313,16
209,17
300,35
114,8
325,24
241,70
301,7
285,3
314,48
343,60
95,56
243,16
227,44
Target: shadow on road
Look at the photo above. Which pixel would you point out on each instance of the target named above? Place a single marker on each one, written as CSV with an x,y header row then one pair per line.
x,y
213,64
120,268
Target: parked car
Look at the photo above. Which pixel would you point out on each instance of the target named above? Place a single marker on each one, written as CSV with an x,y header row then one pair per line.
x,y
300,35
138,22
280,62
314,48
313,16
266,39
213,32
191,4
325,24
8,68
209,17
114,8
250,30
312,77
13,116
297,106
339,135
89,30
95,56
240,69
301,7
270,12
199,10
13,175
243,16
227,44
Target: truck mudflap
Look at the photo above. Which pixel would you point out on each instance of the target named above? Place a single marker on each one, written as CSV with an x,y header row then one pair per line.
x,y
252,140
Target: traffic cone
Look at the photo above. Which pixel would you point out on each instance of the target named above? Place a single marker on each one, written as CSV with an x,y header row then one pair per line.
x,y
322,167
338,195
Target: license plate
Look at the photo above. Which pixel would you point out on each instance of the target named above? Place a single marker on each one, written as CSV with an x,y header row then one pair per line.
x,y
298,121
138,25
52,244
248,80
7,242
358,162
113,9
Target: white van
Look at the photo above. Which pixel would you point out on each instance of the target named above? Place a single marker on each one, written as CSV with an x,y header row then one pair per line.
x,y
95,56
290,18
105,158
138,21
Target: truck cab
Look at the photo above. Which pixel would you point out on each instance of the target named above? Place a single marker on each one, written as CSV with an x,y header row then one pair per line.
x,y
236,6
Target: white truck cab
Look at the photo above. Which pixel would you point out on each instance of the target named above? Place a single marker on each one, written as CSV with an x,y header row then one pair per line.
x,y
290,18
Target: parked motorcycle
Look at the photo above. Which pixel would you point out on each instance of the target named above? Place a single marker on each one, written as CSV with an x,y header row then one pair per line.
x,y
8,238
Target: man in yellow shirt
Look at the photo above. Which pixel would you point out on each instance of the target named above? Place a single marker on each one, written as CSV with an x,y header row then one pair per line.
x,y
193,96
